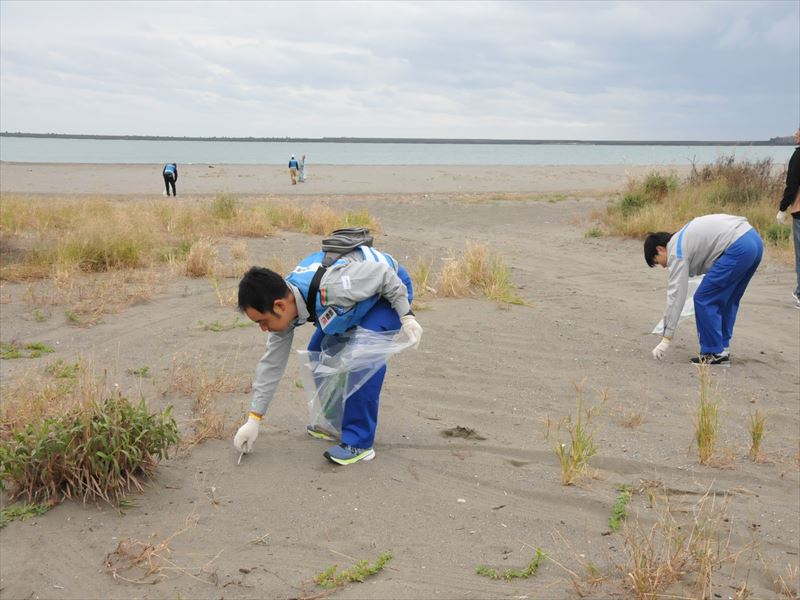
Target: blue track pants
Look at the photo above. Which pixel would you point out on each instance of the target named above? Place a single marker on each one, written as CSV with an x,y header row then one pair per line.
x,y
716,301
360,417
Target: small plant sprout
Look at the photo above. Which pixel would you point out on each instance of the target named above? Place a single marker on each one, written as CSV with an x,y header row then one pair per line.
x,y
758,422
329,578
509,574
63,370
139,371
620,509
574,454
706,419
593,232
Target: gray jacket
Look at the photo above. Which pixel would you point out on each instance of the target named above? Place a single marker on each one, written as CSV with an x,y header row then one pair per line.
x,y
344,285
691,252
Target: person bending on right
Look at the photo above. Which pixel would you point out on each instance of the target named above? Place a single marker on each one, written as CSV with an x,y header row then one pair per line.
x,y
728,251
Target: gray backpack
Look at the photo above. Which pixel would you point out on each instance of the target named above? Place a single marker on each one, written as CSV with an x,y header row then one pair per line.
x,y
341,242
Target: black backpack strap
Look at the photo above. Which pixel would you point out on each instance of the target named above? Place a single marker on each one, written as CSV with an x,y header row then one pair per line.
x,y
313,287
311,297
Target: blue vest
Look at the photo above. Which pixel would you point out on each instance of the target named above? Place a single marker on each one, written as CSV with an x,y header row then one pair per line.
x,y
169,169
333,319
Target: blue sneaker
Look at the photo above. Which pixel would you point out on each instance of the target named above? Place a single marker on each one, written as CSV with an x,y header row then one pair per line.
x,y
320,433
343,454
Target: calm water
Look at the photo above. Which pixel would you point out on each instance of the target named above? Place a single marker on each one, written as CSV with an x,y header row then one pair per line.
x,y
277,153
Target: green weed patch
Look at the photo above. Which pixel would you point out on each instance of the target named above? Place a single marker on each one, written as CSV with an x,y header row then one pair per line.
x,y
510,574
329,578
21,512
10,350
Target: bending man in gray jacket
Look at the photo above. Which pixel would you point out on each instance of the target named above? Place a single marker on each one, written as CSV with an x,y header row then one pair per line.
x,y
363,288
728,251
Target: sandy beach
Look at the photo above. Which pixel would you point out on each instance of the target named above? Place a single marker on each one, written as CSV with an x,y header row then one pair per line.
x,y
442,505
51,178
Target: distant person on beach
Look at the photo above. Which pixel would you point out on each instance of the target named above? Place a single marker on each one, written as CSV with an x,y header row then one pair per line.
x,y
790,203
294,166
728,251
364,288
170,173
302,168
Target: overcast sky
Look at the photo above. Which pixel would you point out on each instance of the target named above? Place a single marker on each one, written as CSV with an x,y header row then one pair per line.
x,y
507,70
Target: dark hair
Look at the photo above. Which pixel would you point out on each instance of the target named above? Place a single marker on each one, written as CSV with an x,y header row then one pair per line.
x,y
653,240
259,288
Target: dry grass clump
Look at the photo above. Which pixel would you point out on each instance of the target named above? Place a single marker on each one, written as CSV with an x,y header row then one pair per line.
x,y
200,261
87,297
145,562
318,219
662,203
671,551
34,398
100,235
476,270
191,378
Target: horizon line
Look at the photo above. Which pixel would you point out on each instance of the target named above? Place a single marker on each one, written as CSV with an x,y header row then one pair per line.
x,y
776,141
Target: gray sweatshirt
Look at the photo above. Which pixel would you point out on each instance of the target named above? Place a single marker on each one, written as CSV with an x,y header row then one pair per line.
x,y
344,285
691,252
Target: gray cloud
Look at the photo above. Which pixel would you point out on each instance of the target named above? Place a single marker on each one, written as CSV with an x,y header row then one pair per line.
x,y
592,70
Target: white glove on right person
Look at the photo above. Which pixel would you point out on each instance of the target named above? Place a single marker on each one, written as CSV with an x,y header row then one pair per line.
x,y
660,350
781,217
245,438
412,329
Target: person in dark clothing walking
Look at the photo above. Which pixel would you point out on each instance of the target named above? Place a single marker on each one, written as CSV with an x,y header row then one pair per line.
x,y
170,173
790,203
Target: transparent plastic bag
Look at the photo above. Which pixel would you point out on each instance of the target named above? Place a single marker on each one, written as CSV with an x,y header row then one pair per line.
x,y
688,306
343,365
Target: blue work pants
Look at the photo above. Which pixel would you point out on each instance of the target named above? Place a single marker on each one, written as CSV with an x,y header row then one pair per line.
x,y
716,301
360,418
796,236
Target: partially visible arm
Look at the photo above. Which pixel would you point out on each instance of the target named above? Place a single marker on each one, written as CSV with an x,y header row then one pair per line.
x,y
270,369
677,289
792,181
358,281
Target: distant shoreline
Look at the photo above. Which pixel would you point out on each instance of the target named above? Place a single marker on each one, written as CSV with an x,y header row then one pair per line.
x,y
777,141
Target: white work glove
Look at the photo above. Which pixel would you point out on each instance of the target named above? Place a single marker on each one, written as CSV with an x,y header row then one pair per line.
x,y
412,329
660,350
781,217
246,436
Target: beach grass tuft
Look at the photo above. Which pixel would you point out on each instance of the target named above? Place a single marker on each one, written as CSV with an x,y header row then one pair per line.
x,y
575,452
673,550
706,417
758,423
477,270
100,451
